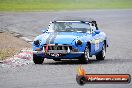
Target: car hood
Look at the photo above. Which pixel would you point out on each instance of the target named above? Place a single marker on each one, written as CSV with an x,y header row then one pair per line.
x,y
61,37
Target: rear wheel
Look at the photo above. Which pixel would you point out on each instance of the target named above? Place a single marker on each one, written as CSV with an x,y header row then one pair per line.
x,y
37,59
85,57
101,54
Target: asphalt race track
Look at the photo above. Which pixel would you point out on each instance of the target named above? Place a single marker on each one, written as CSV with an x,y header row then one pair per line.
x,y
116,23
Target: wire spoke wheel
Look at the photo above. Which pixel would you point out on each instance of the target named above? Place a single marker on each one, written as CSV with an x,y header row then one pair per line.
x,y
101,54
85,57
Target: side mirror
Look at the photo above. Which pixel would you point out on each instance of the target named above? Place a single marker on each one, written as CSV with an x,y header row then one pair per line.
x,y
44,30
97,31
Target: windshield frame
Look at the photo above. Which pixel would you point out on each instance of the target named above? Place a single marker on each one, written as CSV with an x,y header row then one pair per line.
x,y
51,27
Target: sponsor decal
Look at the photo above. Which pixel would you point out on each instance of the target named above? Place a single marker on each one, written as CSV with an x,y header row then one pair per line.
x,y
96,44
83,78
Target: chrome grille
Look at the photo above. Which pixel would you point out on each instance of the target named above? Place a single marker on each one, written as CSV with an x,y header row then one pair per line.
x,y
58,47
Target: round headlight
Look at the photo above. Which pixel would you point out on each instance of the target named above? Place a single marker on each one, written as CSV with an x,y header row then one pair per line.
x,y
79,42
36,42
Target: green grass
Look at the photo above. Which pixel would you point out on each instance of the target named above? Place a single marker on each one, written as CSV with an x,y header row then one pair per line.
x,y
46,5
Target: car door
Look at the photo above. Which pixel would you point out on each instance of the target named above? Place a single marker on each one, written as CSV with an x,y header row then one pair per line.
x,y
96,40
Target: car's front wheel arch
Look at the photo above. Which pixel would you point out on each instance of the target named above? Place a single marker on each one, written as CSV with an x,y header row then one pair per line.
x,y
89,46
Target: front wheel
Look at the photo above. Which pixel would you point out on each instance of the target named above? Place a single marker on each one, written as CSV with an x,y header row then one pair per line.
x,y
37,59
85,57
101,54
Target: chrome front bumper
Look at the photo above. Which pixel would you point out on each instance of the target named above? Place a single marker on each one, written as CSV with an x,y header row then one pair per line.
x,y
57,49
42,52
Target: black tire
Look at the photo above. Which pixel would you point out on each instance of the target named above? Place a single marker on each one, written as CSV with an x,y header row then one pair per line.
x,y
85,57
37,59
101,54
57,59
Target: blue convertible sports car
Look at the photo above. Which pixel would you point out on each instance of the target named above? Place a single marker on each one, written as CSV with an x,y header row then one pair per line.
x,y
74,38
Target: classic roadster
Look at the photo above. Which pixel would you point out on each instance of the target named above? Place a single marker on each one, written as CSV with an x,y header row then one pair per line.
x,y
74,38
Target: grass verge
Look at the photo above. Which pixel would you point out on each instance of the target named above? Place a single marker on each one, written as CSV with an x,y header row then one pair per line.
x,y
7,52
46,5
11,45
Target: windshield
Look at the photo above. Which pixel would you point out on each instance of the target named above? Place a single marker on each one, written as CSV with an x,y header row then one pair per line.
x,y
69,27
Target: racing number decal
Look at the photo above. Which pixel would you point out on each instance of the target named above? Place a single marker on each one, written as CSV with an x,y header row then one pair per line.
x,y
96,44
